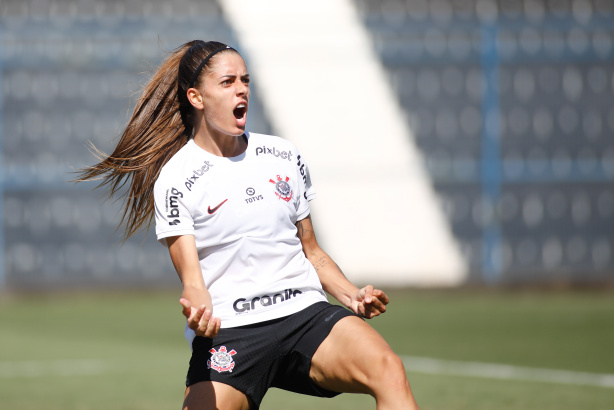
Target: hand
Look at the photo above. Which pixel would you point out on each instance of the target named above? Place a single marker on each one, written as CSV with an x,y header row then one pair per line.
x,y
369,302
201,321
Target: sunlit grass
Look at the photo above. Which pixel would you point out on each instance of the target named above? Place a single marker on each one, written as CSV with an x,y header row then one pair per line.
x,y
138,338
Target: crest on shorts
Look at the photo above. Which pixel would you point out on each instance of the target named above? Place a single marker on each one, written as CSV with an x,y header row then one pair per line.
x,y
282,188
221,361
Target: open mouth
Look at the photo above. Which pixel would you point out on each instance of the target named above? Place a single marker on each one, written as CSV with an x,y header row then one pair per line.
x,y
240,111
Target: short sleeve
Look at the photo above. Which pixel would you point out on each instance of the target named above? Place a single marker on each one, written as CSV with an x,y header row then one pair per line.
x,y
173,217
305,188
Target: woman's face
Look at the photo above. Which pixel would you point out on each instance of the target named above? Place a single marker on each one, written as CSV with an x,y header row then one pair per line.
x,y
225,92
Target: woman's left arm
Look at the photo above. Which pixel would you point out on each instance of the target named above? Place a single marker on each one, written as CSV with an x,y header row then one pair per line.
x,y
366,302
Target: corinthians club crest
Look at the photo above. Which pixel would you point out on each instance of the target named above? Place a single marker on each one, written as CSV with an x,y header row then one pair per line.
x,y
282,188
221,361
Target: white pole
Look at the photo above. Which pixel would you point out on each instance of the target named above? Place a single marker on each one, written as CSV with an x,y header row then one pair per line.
x,y
324,88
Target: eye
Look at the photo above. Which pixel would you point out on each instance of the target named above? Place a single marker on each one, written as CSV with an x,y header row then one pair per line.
x,y
245,80
227,82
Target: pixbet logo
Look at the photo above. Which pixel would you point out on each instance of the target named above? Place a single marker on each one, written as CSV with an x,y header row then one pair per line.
x,y
301,168
273,151
172,205
197,174
304,173
242,305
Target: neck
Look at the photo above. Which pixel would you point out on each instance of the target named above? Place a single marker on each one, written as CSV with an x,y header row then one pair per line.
x,y
219,144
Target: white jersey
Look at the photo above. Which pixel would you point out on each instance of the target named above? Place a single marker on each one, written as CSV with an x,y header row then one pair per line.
x,y
242,212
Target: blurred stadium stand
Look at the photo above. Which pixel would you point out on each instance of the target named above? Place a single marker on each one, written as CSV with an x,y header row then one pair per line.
x,y
511,103
69,71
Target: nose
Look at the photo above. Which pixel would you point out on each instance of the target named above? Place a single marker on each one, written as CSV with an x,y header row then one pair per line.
x,y
242,89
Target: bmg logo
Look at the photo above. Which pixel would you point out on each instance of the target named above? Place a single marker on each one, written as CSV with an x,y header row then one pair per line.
x,y
173,205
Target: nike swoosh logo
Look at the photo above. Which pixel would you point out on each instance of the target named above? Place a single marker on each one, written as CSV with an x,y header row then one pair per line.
x,y
211,211
331,316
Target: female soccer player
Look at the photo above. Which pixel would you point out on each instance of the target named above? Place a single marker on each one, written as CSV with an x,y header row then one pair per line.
x,y
232,207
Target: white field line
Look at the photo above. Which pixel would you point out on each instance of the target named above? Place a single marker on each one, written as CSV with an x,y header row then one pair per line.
x,y
35,368
506,372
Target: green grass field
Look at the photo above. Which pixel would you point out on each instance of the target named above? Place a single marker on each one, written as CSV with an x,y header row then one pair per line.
x,y
126,350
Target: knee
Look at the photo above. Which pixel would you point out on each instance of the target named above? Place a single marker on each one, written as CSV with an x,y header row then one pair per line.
x,y
390,374
396,371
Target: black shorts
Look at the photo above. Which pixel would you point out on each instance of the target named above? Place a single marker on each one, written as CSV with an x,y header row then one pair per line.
x,y
276,353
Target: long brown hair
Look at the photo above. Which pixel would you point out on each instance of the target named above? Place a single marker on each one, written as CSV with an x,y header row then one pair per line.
x,y
161,124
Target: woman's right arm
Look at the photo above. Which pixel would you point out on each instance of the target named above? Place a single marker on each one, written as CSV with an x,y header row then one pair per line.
x,y
185,259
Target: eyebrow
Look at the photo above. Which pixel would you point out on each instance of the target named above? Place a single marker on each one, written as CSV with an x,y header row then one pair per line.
x,y
232,76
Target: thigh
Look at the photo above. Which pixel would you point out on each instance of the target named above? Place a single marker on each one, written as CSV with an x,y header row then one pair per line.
x,y
312,326
213,396
350,357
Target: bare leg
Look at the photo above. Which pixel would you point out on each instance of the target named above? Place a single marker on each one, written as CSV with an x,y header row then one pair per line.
x,y
214,396
354,358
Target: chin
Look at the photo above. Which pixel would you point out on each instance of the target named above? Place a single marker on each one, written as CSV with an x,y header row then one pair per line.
x,y
237,133
232,132
239,130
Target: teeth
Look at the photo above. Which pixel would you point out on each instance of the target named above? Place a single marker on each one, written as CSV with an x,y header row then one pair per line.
x,y
241,106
